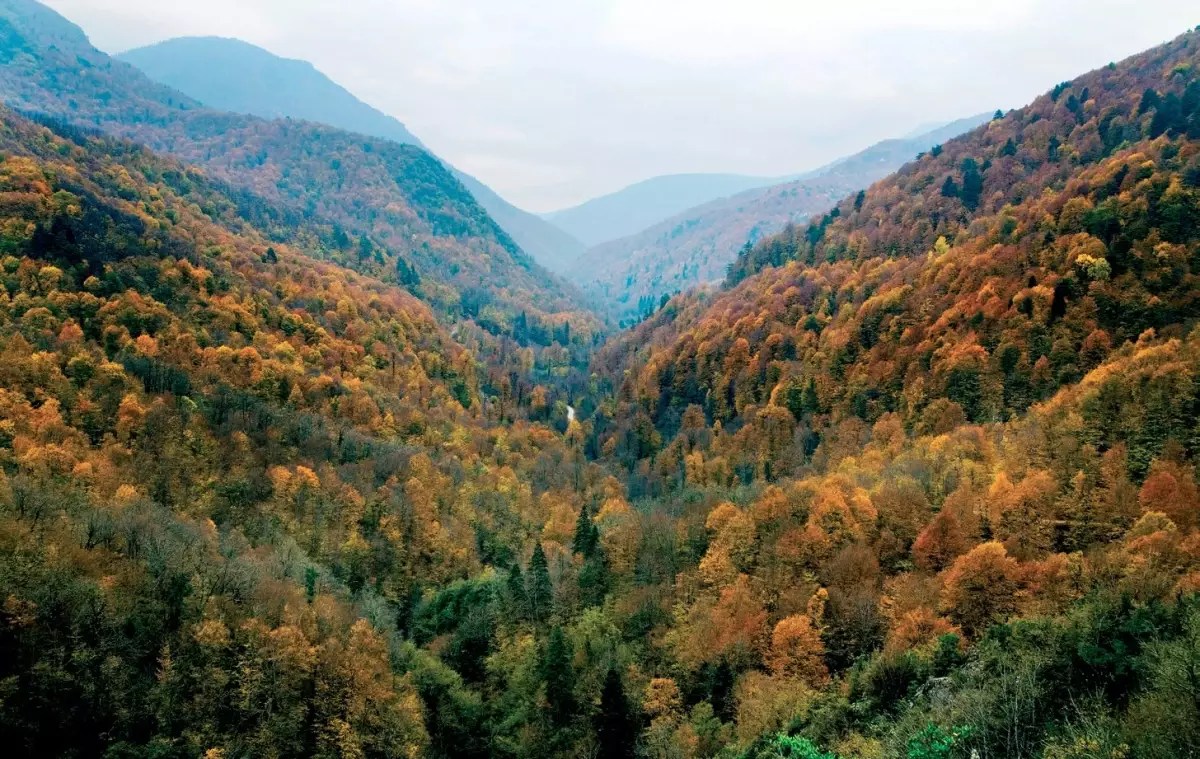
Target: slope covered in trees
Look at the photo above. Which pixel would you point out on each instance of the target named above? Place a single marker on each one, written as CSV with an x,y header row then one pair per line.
x,y
985,274
632,274
220,458
401,200
232,75
875,499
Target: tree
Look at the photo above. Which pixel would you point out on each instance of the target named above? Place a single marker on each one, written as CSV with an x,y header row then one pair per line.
x,y
616,728
558,672
1171,489
518,599
587,536
540,592
980,588
940,543
972,184
594,578
797,650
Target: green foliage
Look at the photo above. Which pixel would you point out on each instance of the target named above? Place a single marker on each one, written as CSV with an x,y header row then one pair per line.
x,y
788,747
934,742
559,675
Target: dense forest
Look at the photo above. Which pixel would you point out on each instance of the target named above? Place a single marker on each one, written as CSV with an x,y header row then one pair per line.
x,y
918,481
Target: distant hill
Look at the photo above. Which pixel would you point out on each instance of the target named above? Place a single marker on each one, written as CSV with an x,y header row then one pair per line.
x,y
631,274
646,203
233,75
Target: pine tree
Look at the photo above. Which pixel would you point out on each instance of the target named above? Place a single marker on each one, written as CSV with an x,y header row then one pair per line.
x,y
594,578
615,727
540,592
518,599
586,534
559,676
972,184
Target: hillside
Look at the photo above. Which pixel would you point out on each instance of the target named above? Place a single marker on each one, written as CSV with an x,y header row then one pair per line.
x,y
399,201
630,275
969,386
918,481
197,426
979,278
236,76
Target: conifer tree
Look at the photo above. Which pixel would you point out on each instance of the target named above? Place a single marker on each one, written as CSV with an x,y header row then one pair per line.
x,y
516,592
559,676
615,726
586,535
540,593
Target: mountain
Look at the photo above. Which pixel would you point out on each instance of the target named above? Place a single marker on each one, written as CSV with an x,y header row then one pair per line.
x,y
231,75
645,204
631,274
390,210
236,76
640,205
919,479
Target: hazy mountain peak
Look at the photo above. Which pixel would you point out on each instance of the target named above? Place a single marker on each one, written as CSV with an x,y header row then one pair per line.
x,y
234,75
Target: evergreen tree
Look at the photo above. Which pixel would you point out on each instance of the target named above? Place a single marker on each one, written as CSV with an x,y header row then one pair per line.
x,y
516,593
594,578
615,724
972,184
811,402
586,535
559,675
540,593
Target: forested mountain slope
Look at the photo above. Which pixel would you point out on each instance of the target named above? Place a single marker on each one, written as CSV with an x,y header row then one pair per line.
x,y
965,405
404,201
193,422
987,273
232,75
920,482
632,274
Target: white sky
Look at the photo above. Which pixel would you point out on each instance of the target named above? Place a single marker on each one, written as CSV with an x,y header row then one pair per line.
x,y
551,102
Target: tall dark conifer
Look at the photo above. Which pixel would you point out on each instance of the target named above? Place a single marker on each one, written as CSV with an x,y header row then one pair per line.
x,y
540,591
559,675
615,725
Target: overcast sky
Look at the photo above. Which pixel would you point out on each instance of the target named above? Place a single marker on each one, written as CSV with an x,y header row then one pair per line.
x,y
551,102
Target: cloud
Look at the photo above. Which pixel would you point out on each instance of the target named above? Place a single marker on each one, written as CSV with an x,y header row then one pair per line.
x,y
552,102
715,32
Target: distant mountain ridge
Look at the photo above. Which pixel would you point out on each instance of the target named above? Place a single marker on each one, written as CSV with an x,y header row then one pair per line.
x,y
638,206
234,75
631,274
642,205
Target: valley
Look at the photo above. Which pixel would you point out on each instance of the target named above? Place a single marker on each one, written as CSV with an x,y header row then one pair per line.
x,y
313,446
